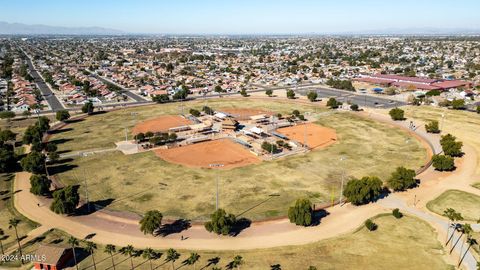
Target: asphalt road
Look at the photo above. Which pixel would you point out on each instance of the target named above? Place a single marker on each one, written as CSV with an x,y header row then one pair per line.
x,y
126,91
363,100
49,96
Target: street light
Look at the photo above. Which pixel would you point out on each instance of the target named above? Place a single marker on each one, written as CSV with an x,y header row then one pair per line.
x,y
216,181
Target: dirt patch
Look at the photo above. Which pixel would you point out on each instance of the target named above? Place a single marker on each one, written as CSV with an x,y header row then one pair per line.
x,y
317,136
200,155
244,114
161,124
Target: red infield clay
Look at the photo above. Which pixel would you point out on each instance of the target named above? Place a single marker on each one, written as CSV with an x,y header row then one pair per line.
x,y
317,136
244,114
161,124
200,155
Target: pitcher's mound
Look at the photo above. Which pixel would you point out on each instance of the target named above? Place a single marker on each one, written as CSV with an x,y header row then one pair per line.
x,y
201,155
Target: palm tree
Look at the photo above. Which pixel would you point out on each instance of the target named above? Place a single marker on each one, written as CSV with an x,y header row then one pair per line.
x,y
452,216
149,254
172,256
91,247
193,259
467,230
275,267
237,261
73,242
2,235
459,228
110,249
13,223
129,250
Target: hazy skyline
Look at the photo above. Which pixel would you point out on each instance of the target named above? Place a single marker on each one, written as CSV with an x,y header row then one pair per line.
x,y
245,17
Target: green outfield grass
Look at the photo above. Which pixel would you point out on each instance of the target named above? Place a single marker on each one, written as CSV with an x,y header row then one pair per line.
x,y
465,203
407,243
370,148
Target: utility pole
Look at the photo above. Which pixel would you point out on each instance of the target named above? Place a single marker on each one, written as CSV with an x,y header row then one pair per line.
x,y
86,191
305,136
342,159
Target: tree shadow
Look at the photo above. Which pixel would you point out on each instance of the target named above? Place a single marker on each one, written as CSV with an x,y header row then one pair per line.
x,y
63,152
239,226
177,226
72,121
59,131
211,261
97,113
63,161
318,215
92,207
58,169
60,141
81,254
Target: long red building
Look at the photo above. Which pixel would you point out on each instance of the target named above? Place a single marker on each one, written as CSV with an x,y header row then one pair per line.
x,y
413,82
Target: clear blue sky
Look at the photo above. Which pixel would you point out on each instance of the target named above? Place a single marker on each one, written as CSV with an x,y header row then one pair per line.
x,y
245,16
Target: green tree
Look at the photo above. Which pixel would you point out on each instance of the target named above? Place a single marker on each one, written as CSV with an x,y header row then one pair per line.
x,y
452,216
432,127
90,247
244,93
290,94
354,107
130,251
218,89
13,223
34,162
451,146
110,250
478,109
163,98
88,108
332,103
458,104
149,255
195,112
193,259
39,184
362,191
31,134
443,163
221,222
7,158
370,225
65,200
275,267
7,135
181,94
172,256
151,221
269,147
397,114
2,237
7,115
74,243
301,213
62,115
402,179
396,213
269,92
238,261
312,96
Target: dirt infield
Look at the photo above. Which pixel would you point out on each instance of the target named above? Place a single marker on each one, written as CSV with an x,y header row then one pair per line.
x,y
244,114
161,124
200,155
317,136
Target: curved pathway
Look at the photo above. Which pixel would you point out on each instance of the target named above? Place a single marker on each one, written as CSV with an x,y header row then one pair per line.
x,y
110,229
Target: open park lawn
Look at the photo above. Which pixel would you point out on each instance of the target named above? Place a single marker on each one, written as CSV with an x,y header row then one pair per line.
x,y
407,243
142,181
466,203
7,212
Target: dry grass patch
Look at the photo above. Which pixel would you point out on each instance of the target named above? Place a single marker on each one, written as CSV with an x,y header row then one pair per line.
x,y
465,203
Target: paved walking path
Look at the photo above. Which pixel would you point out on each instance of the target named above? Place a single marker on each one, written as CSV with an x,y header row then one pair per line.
x,y
118,230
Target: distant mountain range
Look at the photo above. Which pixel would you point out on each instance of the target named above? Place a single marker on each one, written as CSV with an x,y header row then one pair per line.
x,y
39,29
417,31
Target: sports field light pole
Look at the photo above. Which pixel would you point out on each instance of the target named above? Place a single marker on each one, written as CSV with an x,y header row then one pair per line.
x,y
342,159
216,181
407,141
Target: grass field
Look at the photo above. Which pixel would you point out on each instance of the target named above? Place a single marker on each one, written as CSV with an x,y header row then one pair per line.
x,y
19,126
465,203
7,211
462,124
408,243
370,148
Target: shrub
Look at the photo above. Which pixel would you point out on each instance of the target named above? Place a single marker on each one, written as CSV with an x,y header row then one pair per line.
x,y
443,163
397,114
451,146
88,108
370,225
62,115
195,112
312,96
354,107
163,98
458,104
301,213
432,127
290,94
269,92
332,103
396,213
